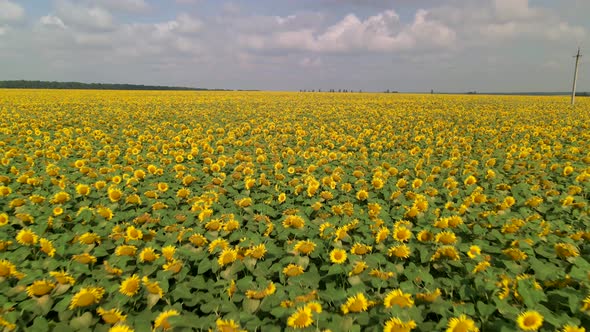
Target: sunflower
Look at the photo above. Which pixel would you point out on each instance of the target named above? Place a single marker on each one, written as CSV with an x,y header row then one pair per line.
x,y
62,278
565,250
400,251
314,306
568,170
470,180
221,243
305,247
4,244
162,186
362,195
399,298
58,211
227,256
358,268
515,254
572,328
121,328
174,265
231,225
446,237
27,237
148,254
89,238
84,258
480,267
395,324
83,189
153,287
183,193
382,235
425,236
60,197
338,256
133,234
429,296
402,234
105,212
474,252
4,219
86,296
292,221
47,247
461,324
162,319
529,320
360,249
383,275
115,194
356,303
5,191
125,250
130,286
449,252
256,252
198,240
228,326
168,252
133,199
301,318
111,316
585,303
40,288
293,270
213,225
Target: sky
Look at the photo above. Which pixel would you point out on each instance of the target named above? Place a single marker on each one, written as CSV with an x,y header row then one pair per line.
x,y
369,45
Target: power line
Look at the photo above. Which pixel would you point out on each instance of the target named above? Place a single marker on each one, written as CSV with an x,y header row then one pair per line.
x,y
577,56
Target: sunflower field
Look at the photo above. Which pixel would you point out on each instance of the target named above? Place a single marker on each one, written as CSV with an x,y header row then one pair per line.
x,y
269,211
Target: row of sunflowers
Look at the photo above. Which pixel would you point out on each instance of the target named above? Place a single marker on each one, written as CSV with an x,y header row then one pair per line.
x,y
232,211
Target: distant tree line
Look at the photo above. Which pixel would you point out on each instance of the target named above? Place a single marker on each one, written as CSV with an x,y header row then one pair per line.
x,y
22,84
341,91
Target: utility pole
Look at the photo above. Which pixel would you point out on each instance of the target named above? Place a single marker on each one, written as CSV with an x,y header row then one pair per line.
x,y
577,56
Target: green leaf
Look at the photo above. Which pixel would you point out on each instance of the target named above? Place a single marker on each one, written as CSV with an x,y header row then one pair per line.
x,y
82,321
40,324
530,295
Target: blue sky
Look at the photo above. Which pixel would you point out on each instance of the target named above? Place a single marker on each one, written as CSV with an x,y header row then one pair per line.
x,y
373,45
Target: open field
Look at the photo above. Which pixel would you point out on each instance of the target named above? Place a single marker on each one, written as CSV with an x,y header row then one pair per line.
x,y
272,211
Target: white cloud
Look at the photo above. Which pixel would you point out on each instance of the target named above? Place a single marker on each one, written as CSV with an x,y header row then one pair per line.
x,y
514,9
498,21
183,24
188,24
310,62
93,17
125,5
51,20
10,11
379,33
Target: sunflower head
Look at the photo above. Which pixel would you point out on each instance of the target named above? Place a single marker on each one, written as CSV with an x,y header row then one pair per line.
x,y
86,296
111,316
356,303
529,320
301,318
130,286
399,298
40,288
162,319
338,256
462,324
